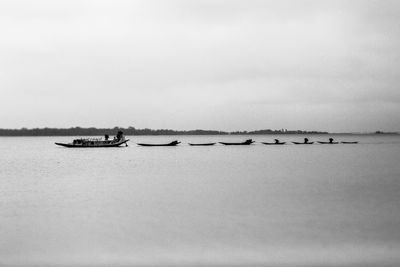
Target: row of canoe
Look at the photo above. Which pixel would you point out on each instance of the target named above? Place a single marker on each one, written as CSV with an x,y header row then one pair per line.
x,y
248,142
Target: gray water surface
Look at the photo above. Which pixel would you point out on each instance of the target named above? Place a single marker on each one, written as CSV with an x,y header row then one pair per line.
x,y
317,205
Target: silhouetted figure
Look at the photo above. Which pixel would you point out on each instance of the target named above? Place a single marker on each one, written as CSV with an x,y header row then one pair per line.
x,y
106,137
276,141
119,136
330,140
306,140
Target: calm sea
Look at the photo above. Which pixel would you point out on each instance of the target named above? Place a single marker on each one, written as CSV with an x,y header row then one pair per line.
x,y
258,205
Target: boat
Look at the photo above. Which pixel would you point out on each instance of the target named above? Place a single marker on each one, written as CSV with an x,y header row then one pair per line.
x,y
97,142
247,142
173,143
279,143
299,143
328,143
304,143
202,144
353,142
275,143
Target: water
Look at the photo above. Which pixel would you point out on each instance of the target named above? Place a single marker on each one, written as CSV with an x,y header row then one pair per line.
x,y
317,205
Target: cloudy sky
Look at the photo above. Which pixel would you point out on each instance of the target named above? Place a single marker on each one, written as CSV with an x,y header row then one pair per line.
x,y
226,65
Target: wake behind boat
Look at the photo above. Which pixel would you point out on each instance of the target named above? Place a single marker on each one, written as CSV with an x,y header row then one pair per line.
x,y
173,143
118,140
247,142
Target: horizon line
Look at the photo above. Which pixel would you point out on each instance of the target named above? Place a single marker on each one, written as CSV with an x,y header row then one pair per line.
x,y
150,131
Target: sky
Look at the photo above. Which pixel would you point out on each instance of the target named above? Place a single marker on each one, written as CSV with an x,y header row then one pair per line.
x,y
210,64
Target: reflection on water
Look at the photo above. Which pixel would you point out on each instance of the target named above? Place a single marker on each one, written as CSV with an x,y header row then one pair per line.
x,y
201,206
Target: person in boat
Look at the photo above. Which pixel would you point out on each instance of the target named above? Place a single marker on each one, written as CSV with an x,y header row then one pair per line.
x,y
306,140
106,137
276,141
330,140
77,141
120,136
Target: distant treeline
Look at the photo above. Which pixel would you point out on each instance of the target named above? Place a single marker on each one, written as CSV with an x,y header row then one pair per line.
x,y
78,131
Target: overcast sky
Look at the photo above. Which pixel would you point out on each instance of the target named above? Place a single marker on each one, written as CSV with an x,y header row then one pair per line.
x,y
225,65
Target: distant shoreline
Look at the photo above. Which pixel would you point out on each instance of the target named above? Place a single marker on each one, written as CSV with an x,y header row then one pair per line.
x,y
78,131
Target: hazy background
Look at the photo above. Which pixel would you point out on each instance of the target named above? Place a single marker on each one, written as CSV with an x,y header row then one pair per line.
x,y
226,65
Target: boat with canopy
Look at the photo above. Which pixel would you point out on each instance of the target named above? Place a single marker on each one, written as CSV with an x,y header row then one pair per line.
x,y
118,140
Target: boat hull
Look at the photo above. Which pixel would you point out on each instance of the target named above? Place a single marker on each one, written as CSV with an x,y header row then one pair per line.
x,y
349,143
205,144
236,144
298,143
93,146
328,143
149,145
270,144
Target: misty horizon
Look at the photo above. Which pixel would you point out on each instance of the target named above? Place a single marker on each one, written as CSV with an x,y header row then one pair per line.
x,y
131,130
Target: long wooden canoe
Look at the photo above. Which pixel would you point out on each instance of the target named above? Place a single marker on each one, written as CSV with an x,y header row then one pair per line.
x,y
202,144
280,143
173,143
247,142
299,143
